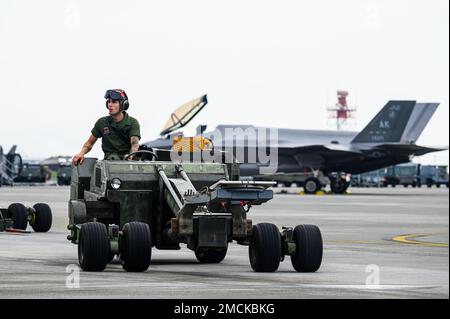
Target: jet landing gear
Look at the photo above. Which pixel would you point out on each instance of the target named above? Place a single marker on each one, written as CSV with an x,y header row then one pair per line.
x,y
312,185
339,183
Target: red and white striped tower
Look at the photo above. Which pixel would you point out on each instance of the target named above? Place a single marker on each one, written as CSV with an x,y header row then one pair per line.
x,y
341,113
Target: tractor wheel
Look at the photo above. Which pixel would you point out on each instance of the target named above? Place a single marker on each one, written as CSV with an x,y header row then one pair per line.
x,y
311,186
211,255
309,250
19,215
265,248
93,247
42,218
136,247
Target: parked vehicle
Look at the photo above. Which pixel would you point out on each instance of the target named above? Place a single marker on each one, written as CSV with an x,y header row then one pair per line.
x,y
64,175
403,174
434,175
31,173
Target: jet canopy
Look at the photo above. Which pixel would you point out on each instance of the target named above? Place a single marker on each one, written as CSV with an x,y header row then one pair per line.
x,y
184,114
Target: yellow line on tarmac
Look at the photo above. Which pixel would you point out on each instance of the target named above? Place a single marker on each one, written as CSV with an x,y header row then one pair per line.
x,y
409,239
360,242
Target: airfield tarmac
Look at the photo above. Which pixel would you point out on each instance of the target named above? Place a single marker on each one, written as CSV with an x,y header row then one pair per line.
x,y
401,235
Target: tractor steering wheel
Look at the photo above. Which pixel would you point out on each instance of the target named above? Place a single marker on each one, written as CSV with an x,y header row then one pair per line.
x,y
143,152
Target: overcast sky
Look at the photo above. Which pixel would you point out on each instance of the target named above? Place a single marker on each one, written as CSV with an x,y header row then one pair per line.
x,y
267,63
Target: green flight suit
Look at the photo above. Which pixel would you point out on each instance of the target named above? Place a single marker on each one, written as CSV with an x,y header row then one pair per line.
x,y
116,136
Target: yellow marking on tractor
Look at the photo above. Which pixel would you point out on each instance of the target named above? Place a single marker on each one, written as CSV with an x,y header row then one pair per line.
x,y
191,144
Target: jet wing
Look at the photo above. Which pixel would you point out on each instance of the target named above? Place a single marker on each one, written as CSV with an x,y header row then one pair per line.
x,y
315,155
410,149
323,150
331,151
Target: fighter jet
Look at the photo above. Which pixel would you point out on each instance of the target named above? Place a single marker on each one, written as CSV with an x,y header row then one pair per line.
x,y
313,158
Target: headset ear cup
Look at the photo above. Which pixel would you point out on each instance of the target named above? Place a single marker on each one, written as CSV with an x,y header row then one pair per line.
x,y
125,105
106,103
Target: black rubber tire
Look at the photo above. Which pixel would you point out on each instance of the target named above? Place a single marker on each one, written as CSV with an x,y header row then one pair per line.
x,y
211,255
309,250
93,247
136,247
287,184
19,215
339,187
42,219
311,186
265,248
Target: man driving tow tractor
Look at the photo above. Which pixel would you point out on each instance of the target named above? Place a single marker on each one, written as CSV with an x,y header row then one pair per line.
x,y
120,133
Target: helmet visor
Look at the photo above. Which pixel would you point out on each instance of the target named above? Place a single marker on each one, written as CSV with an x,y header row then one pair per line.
x,y
115,95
